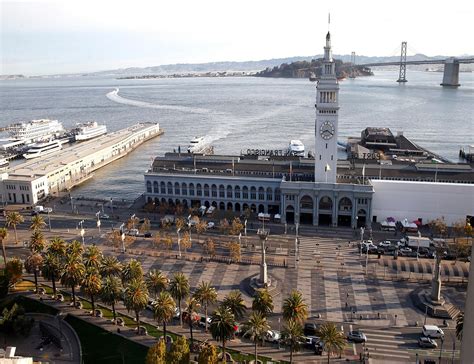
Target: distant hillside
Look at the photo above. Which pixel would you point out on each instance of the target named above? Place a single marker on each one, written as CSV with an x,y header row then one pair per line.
x,y
305,69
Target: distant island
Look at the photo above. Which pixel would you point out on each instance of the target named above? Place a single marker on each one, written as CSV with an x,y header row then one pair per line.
x,y
310,69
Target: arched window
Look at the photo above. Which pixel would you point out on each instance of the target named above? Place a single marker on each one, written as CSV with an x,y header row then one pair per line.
x,y
214,190
206,190
176,188
253,193
191,189
237,192
277,194
221,191
155,187
245,193
345,204
170,188
269,194
221,206
162,187
148,186
306,202
261,193
325,203
229,191
184,189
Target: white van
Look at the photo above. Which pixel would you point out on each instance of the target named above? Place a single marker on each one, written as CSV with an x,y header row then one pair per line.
x,y
432,331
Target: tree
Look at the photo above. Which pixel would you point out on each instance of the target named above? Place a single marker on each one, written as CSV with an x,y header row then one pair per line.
x,y
93,257
14,270
292,335
210,248
224,226
235,303
156,282
180,223
208,354
201,228
256,327
33,264
3,236
459,325
136,298
234,251
179,289
222,326
130,224
186,241
236,227
157,240
37,223
72,273
438,227
13,220
262,302
114,238
459,228
163,309
179,353
145,226
111,292
167,241
57,247
192,305
110,267
294,307
132,270
37,241
51,269
334,340
206,295
14,322
91,284
157,353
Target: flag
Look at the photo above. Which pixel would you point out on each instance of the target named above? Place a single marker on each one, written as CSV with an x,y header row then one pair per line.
x,y
327,168
329,18
363,171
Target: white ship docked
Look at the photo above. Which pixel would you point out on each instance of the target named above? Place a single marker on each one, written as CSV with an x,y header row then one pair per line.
x,y
89,130
42,149
36,130
4,163
296,148
197,145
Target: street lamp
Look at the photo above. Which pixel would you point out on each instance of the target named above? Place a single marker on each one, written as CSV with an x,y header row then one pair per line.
x,y
179,242
122,237
245,227
98,220
132,218
72,204
111,206
49,221
82,231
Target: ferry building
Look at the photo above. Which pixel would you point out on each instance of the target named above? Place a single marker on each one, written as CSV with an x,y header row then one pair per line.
x,y
308,191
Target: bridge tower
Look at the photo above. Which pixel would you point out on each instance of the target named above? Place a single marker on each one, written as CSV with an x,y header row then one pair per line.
x,y
353,62
403,64
451,73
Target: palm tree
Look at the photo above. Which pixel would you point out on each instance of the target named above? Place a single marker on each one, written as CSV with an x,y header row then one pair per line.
x,y
156,282
263,302
292,335
460,325
222,326
37,241
33,264
75,248
192,305
3,236
72,273
163,309
111,292
13,220
132,270
334,340
235,303
179,289
206,295
51,269
136,298
57,247
92,285
294,307
93,257
37,223
256,327
110,266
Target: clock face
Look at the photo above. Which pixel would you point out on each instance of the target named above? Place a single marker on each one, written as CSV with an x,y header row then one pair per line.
x,y
327,130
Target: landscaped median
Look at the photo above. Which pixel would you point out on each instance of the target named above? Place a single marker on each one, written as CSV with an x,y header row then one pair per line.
x,y
107,334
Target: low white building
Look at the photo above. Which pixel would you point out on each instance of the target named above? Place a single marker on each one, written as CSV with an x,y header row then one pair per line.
x,y
422,200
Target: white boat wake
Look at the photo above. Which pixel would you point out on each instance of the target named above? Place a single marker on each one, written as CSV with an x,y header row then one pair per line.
x,y
114,96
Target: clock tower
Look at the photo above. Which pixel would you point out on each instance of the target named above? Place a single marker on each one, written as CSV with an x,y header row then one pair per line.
x,y
326,128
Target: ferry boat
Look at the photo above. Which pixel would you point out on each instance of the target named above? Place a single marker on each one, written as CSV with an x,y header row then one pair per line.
x,y
196,145
36,130
89,130
4,163
42,149
296,148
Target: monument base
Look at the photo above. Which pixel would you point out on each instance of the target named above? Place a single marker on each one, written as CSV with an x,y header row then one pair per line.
x,y
421,297
253,283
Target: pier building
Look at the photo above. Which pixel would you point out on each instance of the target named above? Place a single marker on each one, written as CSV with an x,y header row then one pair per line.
x,y
30,181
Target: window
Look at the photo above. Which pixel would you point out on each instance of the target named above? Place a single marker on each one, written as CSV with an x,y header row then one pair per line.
x,y
184,189
214,190
162,187
170,188
237,192
221,191
229,191
269,194
206,190
199,189
176,188
261,193
155,187
245,193
191,189
253,193
148,186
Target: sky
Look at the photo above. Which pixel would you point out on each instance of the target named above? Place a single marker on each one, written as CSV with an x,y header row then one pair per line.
x,y
69,36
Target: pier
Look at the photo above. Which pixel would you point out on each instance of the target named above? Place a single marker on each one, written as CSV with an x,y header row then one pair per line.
x,y
467,156
33,180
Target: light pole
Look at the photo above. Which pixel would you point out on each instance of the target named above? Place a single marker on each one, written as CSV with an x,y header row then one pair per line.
x,y
366,259
49,221
179,242
132,218
72,204
98,220
111,206
82,231
122,237
245,228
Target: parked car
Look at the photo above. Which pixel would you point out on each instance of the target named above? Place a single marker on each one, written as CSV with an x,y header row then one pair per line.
x,y
133,232
357,337
177,313
385,244
211,225
104,216
202,321
310,328
272,336
147,234
427,342
405,250
310,342
47,210
432,331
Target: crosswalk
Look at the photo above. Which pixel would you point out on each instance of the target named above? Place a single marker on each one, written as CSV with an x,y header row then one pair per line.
x,y
387,344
